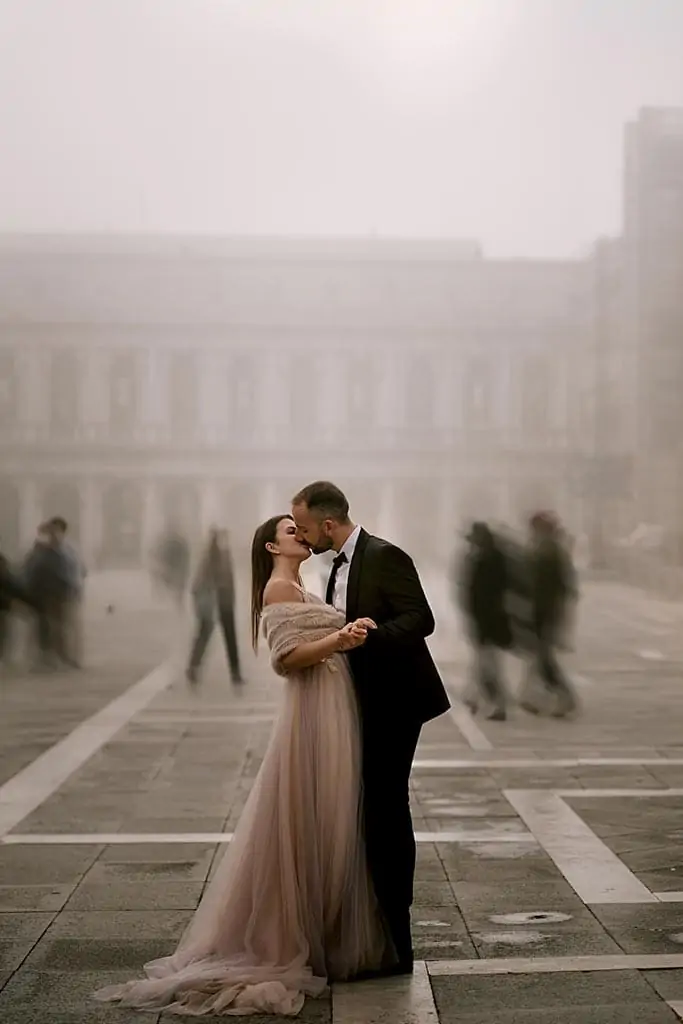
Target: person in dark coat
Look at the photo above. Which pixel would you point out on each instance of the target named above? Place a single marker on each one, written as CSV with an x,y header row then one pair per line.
x,y
397,685
553,589
213,591
484,586
11,591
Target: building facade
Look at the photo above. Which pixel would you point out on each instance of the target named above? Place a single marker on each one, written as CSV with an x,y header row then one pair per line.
x,y
150,382
653,246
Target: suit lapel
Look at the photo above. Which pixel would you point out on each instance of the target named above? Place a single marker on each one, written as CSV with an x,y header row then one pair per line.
x,y
353,585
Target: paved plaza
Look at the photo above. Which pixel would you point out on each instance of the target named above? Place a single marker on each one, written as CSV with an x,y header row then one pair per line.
x,y
550,852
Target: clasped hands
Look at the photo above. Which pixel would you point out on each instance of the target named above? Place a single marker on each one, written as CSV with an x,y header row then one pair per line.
x,y
354,634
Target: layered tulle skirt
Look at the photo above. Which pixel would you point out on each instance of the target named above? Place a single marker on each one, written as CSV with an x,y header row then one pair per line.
x,y
291,905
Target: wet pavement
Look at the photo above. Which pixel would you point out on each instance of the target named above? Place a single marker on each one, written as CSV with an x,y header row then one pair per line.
x,y
549,886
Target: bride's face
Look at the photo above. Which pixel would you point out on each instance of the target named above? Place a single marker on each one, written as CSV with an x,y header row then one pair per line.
x,y
286,544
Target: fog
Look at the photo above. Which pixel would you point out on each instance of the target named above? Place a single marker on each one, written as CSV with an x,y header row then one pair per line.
x,y
430,250
498,120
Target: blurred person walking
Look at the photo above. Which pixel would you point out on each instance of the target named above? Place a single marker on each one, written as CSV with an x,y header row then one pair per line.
x,y
41,578
213,592
70,621
553,594
171,566
11,592
483,589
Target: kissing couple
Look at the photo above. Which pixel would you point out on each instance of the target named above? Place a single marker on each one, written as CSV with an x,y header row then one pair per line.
x,y
317,883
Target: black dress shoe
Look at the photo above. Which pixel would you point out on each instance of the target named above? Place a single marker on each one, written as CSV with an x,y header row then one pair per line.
x,y
497,715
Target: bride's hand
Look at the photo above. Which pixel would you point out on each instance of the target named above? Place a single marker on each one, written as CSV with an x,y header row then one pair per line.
x,y
351,635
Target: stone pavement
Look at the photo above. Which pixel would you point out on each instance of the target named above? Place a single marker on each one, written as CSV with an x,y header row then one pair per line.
x,y
549,886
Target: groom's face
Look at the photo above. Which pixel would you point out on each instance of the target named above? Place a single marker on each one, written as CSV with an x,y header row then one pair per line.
x,y
311,531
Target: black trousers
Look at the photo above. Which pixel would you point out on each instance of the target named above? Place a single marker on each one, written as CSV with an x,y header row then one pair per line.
x,y
205,628
388,752
488,674
550,672
4,634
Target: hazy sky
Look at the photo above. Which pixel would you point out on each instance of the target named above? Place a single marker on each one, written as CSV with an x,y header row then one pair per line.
x,y
499,120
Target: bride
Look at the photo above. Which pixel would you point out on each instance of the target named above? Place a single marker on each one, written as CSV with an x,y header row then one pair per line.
x,y
291,906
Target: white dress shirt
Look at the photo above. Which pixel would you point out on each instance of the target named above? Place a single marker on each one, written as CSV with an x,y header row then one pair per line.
x,y
342,581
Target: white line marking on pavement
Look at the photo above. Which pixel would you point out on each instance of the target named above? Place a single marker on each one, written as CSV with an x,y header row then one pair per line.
x,y
593,871
558,964
121,838
669,897
403,1000
32,785
615,794
529,762
469,728
677,1007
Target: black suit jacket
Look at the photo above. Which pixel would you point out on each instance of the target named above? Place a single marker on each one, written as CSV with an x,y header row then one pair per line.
x,y
394,673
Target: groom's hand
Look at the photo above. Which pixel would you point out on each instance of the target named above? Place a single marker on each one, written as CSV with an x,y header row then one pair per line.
x,y
365,623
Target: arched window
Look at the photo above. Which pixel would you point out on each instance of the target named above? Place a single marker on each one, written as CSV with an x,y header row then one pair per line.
x,y
122,505
62,498
420,391
65,391
123,392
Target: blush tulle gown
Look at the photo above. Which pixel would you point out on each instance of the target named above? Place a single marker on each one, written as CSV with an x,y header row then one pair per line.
x,y
291,906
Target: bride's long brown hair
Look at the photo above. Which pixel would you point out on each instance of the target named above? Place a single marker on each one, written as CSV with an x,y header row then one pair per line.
x,y
261,568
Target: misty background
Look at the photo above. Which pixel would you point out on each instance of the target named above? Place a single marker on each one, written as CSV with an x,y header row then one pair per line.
x,y
431,250
498,120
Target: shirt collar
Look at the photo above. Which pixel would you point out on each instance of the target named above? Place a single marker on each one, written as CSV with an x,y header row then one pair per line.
x,y
349,545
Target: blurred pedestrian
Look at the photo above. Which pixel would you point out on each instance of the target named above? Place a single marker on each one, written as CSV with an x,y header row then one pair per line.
x,y
213,591
11,592
70,621
553,593
483,590
172,564
45,577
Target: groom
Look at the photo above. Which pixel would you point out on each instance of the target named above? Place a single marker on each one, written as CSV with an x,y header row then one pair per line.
x,y
397,684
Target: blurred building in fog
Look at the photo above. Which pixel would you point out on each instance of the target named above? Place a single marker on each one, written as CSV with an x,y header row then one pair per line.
x,y
653,245
147,383
152,381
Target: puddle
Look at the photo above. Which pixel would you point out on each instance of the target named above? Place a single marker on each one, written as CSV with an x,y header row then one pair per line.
x,y
531,917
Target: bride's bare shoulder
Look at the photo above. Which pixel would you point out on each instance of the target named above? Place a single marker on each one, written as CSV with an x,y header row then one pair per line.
x,y
280,592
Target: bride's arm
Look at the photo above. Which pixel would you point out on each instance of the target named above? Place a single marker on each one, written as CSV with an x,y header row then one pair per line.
x,y
313,652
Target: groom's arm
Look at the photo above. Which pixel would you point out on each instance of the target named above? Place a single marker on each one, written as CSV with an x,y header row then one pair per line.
x,y
410,616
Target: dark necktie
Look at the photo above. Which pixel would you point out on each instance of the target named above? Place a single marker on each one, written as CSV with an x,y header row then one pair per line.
x,y
329,593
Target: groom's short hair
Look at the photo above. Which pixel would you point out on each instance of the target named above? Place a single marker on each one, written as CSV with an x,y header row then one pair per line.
x,y
324,499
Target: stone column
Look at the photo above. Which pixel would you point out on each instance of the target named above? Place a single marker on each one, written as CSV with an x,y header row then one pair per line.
x,y
29,513
94,390
154,391
33,405
91,522
151,518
